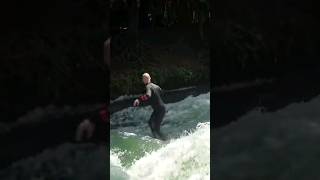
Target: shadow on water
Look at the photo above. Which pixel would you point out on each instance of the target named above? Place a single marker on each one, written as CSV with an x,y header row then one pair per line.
x,y
31,138
297,86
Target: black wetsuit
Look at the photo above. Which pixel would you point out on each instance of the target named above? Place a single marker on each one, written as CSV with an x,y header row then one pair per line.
x,y
153,97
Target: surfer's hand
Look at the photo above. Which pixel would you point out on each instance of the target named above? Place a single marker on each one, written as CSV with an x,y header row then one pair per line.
x,y
136,102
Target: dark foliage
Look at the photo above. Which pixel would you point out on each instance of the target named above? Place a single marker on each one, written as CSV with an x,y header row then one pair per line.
x,y
52,53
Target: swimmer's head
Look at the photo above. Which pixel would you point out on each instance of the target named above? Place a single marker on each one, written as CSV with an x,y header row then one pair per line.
x,y
146,78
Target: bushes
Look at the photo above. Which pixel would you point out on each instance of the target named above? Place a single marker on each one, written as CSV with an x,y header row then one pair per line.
x,y
167,77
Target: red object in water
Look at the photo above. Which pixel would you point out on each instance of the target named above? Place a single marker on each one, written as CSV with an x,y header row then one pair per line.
x,y
104,114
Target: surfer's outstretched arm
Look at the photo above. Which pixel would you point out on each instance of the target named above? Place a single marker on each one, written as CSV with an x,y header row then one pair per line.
x,y
143,98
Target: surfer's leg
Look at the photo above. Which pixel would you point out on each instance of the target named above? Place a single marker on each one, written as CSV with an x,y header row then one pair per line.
x,y
152,124
158,120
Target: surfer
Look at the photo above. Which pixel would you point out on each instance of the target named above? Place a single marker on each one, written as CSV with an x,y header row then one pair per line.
x,y
153,96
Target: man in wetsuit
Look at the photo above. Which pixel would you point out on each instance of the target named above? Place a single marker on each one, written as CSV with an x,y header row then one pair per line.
x,y
153,96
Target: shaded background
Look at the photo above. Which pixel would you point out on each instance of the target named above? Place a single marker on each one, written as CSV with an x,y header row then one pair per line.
x,y
52,53
263,54
265,67
52,76
262,39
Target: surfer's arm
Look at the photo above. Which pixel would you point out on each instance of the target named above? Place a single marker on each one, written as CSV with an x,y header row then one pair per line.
x,y
146,96
143,98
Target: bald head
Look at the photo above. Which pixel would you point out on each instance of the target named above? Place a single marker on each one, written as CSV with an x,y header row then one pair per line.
x,y
147,75
146,78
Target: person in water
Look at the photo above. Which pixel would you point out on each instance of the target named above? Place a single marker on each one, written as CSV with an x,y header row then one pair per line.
x,y
153,97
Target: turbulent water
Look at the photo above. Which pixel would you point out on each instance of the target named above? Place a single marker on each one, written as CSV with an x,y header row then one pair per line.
x,y
68,161
134,154
186,155
277,145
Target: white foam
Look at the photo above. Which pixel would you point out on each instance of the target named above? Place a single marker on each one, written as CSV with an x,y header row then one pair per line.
x,y
117,172
187,157
129,134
